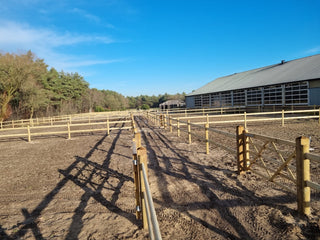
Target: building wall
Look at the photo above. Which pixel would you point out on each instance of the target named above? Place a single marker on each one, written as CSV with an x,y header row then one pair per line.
x,y
315,96
190,102
295,93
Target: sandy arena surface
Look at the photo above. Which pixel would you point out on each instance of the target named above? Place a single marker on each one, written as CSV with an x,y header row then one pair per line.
x,y
54,188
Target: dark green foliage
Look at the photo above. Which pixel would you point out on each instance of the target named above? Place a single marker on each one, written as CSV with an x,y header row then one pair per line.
x,y
145,107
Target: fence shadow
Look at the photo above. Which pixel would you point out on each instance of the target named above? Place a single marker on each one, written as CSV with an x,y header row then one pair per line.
x,y
206,182
79,168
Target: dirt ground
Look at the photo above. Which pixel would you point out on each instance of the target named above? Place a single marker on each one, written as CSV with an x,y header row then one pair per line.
x,y
53,188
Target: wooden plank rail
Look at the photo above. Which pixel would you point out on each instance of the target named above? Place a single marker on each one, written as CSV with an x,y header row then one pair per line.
x,y
88,117
68,129
244,117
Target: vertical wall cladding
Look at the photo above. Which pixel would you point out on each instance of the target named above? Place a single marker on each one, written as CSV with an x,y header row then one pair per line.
x,y
314,96
314,92
190,102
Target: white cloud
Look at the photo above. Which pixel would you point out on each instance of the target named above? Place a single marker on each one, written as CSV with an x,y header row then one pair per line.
x,y
45,42
23,35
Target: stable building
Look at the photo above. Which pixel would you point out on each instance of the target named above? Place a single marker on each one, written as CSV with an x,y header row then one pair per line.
x,y
172,104
288,83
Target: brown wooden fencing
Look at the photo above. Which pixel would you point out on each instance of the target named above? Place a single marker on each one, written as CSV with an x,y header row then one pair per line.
x,y
67,128
244,118
144,204
56,120
282,162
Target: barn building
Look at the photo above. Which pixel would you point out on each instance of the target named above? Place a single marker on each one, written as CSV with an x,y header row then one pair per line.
x,y
172,104
288,83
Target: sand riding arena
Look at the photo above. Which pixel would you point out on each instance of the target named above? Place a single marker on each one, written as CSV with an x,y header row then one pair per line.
x,y
73,177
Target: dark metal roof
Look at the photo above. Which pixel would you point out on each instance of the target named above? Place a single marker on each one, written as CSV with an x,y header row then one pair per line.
x,y
301,69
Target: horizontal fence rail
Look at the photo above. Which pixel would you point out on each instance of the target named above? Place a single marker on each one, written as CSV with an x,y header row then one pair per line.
x,y
244,118
84,117
66,129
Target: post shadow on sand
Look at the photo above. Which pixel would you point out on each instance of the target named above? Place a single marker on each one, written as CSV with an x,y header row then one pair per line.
x,y
222,206
77,221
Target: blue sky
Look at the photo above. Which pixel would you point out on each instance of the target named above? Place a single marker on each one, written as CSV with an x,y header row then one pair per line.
x,y
154,47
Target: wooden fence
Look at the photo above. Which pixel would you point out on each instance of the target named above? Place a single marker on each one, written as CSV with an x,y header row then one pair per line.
x,y
80,118
227,110
67,128
270,158
242,118
144,204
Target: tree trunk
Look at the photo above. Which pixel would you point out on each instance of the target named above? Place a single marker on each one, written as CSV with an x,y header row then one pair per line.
x,y
5,107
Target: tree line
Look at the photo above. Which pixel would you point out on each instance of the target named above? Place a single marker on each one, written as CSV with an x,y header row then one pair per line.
x,y
29,89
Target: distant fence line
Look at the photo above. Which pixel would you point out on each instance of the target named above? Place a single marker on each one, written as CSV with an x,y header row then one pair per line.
x,y
82,117
178,112
68,128
258,153
241,118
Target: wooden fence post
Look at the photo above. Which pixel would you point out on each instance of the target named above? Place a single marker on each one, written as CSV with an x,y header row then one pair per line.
x,y
242,150
69,133
189,131
178,127
136,172
207,137
165,121
303,175
245,119
282,118
137,137
161,120
29,135
108,127
185,113
51,121
170,124
142,159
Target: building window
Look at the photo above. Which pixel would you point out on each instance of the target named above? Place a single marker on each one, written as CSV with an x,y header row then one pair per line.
x,y
197,101
226,99
239,98
215,99
254,96
296,93
273,95
206,100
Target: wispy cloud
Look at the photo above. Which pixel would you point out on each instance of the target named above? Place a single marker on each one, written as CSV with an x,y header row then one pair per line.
x,y
23,35
313,50
86,15
46,42
91,17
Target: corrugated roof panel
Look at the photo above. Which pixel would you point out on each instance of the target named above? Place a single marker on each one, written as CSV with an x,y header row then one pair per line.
x,y
292,71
